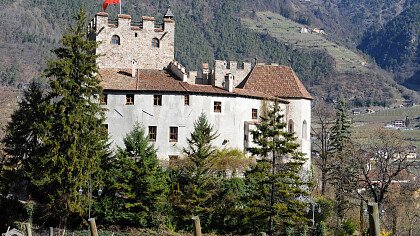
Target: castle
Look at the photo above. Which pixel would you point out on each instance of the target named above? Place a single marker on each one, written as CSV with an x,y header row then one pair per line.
x,y
144,84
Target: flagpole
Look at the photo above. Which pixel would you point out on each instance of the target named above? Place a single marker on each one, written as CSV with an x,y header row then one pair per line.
x,y
120,6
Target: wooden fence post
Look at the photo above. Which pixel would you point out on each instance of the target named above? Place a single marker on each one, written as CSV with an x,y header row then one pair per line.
x,y
28,229
92,226
374,224
197,226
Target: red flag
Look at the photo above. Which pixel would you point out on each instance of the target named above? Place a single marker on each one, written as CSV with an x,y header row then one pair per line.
x,y
107,2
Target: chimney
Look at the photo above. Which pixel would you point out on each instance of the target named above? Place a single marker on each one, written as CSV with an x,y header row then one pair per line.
x,y
229,82
133,68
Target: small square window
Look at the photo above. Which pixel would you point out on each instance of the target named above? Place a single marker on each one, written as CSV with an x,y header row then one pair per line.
x,y
129,99
218,107
157,100
173,134
186,100
152,133
254,114
103,99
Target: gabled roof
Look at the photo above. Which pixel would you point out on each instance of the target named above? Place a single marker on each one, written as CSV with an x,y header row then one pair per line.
x,y
275,80
162,81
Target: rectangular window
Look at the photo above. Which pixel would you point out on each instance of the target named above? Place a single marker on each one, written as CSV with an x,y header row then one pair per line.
x,y
186,100
103,99
129,99
173,134
254,114
152,133
218,107
157,100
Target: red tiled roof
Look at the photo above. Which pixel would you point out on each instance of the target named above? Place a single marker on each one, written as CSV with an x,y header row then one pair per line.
x,y
162,81
279,81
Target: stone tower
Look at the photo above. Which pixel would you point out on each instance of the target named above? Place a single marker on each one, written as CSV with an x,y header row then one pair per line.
x,y
122,41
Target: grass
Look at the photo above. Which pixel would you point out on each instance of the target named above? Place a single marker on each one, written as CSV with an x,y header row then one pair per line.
x,y
288,32
367,123
388,115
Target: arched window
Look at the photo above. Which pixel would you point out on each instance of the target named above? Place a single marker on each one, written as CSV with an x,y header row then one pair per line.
x,y
155,43
304,130
115,40
291,126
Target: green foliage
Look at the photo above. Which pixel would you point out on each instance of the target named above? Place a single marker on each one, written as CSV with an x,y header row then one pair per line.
x,y
136,186
394,46
274,184
194,185
343,171
10,75
62,142
348,227
325,209
320,229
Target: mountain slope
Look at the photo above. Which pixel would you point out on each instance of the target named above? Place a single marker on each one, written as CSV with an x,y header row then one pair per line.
x,y
205,30
396,45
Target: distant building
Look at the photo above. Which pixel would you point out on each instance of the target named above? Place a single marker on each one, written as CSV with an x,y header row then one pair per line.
x,y
399,123
304,30
356,112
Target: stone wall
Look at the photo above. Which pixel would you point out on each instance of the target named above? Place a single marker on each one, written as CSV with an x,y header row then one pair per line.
x,y
135,42
222,68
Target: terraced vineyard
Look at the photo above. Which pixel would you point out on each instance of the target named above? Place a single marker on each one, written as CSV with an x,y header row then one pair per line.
x,y
290,32
367,123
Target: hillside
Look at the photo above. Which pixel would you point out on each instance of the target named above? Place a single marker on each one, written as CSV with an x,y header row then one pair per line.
x,y
355,77
213,29
396,47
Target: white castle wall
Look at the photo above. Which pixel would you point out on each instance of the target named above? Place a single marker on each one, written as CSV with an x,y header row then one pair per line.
x,y
135,42
229,123
299,110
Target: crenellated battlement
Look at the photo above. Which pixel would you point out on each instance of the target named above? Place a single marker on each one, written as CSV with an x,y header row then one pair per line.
x,y
123,40
147,22
178,70
223,68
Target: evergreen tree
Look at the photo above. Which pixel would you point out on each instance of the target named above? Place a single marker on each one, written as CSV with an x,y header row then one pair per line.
x,y
341,168
66,129
137,185
275,183
195,185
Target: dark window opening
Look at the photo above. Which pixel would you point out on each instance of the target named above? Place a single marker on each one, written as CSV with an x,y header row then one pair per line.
x,y
173,134
152,133
155,43
218,107
186,100
115,40
157,100
103,99
254,114
129,99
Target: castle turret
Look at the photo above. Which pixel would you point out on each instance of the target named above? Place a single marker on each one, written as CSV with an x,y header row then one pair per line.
x,y
222,68
123,41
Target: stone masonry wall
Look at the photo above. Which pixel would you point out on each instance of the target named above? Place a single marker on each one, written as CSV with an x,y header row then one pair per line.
x,y
135,42
222,68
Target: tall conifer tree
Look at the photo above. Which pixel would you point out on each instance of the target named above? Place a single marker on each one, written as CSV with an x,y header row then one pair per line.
x,y
71,139
136,185
275,183
341,167
195,185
